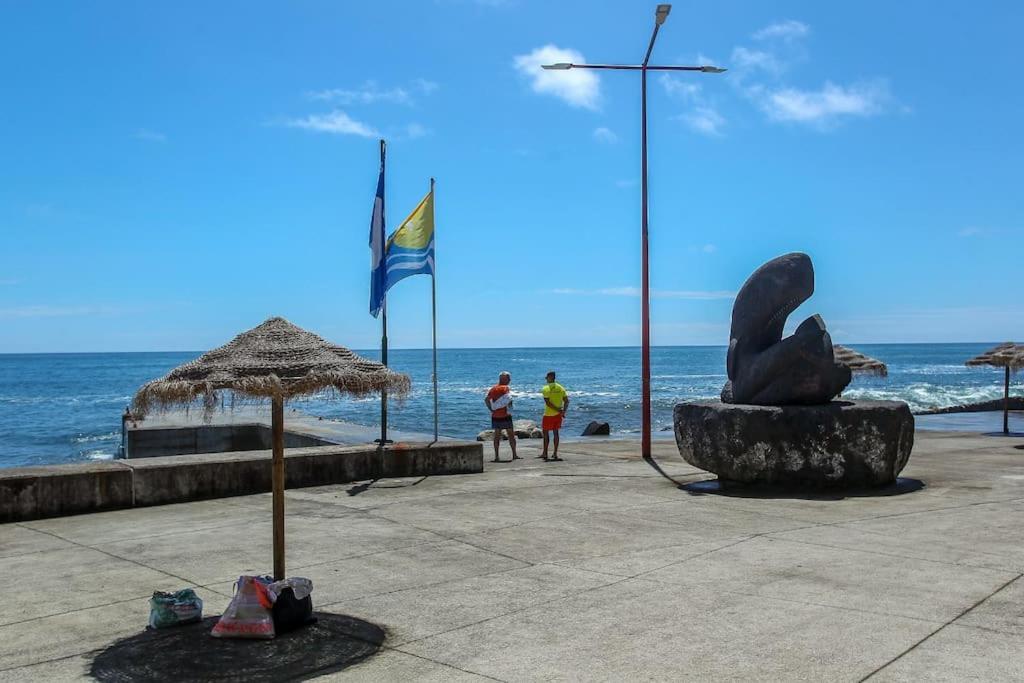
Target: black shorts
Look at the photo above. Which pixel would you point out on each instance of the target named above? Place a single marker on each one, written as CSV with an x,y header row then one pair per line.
x,y
501,422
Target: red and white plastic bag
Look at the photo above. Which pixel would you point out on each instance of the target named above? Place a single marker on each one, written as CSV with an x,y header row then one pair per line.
x,y
248,615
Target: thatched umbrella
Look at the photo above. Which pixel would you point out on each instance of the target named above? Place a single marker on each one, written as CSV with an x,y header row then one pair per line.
x,y
859,363
276,360
1010,357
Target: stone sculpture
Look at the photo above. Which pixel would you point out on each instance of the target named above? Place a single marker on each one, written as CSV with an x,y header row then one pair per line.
x,y
777,422
765,369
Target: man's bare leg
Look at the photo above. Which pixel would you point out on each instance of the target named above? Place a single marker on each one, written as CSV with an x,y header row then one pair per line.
x,y
556,446
497,442
512,441
544,454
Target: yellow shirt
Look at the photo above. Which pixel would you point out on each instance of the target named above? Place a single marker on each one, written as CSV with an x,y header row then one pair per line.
x,y
555,393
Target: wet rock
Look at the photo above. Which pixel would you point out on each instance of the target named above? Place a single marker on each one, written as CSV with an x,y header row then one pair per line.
x,y
524,429
838,444
596,428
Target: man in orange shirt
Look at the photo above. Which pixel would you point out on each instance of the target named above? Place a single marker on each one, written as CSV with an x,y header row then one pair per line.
x,y
499,402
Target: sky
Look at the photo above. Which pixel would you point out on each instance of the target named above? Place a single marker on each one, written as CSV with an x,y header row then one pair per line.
x,y
174,173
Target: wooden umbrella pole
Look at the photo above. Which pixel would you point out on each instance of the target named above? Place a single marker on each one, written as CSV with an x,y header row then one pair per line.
x,y
277,426
1006,402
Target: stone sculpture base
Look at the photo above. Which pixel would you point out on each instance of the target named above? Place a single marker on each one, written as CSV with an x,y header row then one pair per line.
x,y
838,444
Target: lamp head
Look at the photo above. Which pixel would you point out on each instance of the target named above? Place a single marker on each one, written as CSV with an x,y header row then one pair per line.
x,y
713,69
661,14
561,66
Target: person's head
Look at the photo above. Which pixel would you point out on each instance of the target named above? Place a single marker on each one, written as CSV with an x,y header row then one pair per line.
x,y
551,375
504,377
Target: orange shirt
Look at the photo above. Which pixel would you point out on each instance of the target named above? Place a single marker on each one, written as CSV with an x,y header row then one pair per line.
x,y
496,392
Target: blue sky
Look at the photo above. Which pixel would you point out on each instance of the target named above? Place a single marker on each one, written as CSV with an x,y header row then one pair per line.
x,y
174,173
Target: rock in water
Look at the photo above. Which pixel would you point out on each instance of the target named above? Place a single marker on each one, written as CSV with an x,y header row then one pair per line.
x,y
838,444
596,428
525,429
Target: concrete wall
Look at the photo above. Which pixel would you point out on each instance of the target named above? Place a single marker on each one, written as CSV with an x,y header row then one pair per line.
x,y
160,442
57,490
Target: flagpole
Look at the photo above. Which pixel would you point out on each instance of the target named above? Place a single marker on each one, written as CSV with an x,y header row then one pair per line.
x,y
383,346
433,307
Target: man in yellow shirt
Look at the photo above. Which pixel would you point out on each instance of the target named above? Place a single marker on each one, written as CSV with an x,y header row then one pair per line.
x,y
556,402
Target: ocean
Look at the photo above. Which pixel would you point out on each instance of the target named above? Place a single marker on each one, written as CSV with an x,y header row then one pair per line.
x,y
58,408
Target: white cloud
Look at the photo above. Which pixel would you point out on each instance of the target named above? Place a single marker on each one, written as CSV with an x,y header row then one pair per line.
x,y
709,249
825,106
369,93
577,87
149,135
424,86
745,61
977,231
337,122
655,293
627,182
705,120
677,87
415,130
603,134
702,117
787,30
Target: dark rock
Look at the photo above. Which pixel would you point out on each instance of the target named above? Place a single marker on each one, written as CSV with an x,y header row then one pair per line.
x,y
597,429
764,368
838,444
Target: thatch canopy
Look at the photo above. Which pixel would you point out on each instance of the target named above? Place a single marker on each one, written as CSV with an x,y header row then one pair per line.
x,y
1007,355
859,363
274,360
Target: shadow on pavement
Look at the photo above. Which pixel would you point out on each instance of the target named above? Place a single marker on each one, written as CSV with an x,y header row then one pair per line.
x,y
189,653
734,489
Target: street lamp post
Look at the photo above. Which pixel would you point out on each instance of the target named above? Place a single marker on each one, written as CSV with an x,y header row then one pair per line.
x,y
660,15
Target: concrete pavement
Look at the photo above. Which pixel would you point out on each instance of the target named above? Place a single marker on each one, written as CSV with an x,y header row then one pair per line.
x,y
591,569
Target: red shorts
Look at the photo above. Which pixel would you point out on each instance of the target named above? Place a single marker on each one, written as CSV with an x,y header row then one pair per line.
x,y
551,423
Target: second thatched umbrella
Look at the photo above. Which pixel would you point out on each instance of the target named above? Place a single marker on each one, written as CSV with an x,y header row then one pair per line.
x,y
1010,357
276,360
859,363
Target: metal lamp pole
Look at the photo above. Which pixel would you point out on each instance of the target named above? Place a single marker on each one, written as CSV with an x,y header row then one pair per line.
x,y
660,14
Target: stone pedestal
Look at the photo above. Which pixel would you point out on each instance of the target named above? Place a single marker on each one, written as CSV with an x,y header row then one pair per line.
x,y
838,444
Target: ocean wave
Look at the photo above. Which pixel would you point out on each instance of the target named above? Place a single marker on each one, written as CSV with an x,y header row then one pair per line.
x,y
927,396
98,454
96,437
65,400
520,393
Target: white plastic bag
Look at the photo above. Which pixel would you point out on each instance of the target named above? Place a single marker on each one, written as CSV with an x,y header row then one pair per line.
x,y
299,585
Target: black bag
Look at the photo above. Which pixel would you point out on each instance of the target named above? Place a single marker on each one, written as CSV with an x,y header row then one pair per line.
x,y
290,613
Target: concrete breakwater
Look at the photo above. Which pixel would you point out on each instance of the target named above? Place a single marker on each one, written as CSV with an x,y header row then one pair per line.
x,y
57,490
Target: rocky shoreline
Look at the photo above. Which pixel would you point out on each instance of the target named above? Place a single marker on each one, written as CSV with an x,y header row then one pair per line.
x,y
1016,403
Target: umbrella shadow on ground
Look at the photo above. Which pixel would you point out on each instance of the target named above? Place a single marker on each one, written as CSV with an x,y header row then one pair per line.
x,y
189,653
732,489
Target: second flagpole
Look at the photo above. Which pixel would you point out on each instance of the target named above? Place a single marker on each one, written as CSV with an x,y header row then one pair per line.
x,y
433,308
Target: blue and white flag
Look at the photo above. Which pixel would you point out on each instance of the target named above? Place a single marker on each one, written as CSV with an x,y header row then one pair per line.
x,y
378,273
410,249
